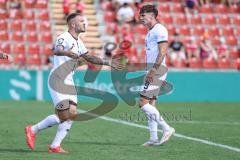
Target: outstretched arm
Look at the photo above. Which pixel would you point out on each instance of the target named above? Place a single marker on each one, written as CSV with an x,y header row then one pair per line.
x,y
114,63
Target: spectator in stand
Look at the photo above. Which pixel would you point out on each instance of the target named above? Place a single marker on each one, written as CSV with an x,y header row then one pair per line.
x,y
190,7
125,14
80,6
206,48
66,7
177,49
14,4
192,48
127,33
202,2
223,50
119,3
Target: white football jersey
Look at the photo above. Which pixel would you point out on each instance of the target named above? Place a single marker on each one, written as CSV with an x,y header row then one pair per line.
x,y
69,43
157,34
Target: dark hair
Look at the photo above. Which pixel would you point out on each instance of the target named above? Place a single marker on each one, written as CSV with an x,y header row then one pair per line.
x,y
148,9
71,16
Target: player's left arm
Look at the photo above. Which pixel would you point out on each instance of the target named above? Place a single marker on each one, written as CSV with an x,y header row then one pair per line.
x,y
162,47
114,63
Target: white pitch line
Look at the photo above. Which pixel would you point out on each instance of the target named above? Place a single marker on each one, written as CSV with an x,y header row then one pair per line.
x,y
176,134
206,122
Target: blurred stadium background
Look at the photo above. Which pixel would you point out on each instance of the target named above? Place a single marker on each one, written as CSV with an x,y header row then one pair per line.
x,y
204,62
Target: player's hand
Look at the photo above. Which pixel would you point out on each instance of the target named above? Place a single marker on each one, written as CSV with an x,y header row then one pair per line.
x,y
116,63
150,75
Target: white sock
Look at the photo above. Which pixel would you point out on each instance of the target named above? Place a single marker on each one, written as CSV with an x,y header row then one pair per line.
x,y
156,116
45,123
62,131
152,124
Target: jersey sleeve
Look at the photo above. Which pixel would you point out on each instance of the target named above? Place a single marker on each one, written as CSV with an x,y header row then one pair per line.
x,y
83,49
61,42
162,34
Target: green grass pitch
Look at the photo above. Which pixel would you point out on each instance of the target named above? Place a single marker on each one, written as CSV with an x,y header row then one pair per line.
x,y
99,139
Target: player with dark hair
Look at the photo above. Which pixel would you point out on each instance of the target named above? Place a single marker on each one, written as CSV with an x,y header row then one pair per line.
x,y
68,46
156,50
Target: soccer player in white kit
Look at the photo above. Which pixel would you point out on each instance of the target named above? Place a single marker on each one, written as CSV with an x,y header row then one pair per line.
x,y
67,47
156,49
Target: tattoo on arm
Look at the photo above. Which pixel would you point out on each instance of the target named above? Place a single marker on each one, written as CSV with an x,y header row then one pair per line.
x,y
94,59
162,53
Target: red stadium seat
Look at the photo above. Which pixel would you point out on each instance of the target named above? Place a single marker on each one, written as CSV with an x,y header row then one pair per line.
x,y
213,31
111,28
195,19
34,60
32,37
215,41
46,37
29,14
18,48
5,47
236,20
107,5
43,15
29,3
195,62
33,49
41,4
15,14
141,29
227,30
4,36
184,30
16,25
166,19
171,30
209,64
30,26
140,39
236,63
207,9
237,31
234,53
109,16
179,63
19,59
234,9
177,8
221,9
47,50
164,8
210,20
4,61
3,14
180,19
224,63
231,40
198,31
45,26
3,25
224,20
17,36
